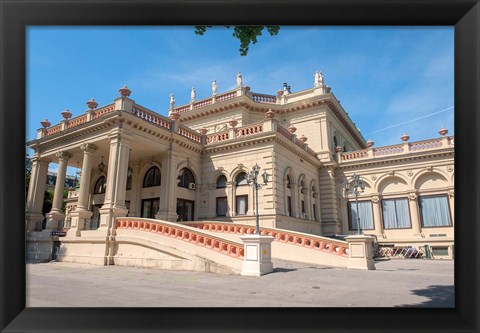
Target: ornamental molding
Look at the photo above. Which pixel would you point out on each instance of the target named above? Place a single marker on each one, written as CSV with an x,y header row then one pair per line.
x,y
412,196
88,147
410,173
449,168
63,155
375,198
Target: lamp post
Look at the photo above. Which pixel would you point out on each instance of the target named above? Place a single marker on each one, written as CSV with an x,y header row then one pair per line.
x,y
252,179
352,188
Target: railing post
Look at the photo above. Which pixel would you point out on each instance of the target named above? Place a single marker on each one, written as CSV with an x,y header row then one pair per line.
x,y
257,255
361,252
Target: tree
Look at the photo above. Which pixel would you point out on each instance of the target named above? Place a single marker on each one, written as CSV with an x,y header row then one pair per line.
x,y
245,34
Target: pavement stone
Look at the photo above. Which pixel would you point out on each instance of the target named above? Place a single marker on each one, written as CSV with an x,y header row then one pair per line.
x,y
394,283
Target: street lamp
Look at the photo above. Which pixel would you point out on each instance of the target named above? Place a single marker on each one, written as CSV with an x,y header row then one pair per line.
x,y
252,179
352,188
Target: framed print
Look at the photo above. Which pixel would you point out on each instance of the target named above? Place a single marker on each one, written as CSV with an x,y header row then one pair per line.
x,y
19,16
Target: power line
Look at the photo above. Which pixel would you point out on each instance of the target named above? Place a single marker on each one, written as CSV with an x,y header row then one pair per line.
x,y
411,120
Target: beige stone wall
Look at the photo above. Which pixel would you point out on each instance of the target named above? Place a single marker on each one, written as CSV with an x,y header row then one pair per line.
x,y
404,179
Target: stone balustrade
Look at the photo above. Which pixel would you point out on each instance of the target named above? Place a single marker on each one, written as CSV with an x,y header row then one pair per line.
x,y
249,130
190,134
263,98
226,96
318,243
217,137
77,121
53,130
399,149
100,112
229,248
202,103
151,117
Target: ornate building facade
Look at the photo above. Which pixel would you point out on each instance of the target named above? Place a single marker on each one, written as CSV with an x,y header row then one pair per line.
x,y
193,166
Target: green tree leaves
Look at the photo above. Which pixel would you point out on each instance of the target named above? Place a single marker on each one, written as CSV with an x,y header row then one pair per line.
x,y
246,34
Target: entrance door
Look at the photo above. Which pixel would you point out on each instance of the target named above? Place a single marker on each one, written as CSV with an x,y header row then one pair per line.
x,y
94,221
185,210
150,207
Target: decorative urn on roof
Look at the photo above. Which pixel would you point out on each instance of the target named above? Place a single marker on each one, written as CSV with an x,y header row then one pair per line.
x,y
233,122
404,137
203,131
370,143
280,92
45,123
92,104
66,114
443,131
338,149
303,138
124,92
292,129
270,114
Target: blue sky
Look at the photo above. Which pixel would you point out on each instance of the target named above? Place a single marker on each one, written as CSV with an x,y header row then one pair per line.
x,y
390,80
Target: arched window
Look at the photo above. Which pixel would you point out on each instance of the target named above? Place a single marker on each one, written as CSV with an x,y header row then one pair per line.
x,y
100,185
186,178
129,179
152,177
222,181
289,182
302,187
335,142
241,179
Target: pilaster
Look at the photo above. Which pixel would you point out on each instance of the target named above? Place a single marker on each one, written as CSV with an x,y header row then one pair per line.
x,y
414,213
377,214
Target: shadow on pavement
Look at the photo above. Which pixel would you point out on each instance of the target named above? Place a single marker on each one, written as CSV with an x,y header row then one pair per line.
x,y
283,270
439,297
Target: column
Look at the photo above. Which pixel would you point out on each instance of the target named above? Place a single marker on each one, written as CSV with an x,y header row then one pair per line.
x,y
377,215
116,182
168,197
36,192
414,213
63,157
81,212
56,214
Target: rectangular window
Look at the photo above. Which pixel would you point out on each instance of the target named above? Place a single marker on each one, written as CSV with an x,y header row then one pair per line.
x,y
364,212
185,210
435,211
150,208
289,203
396,214
242,204
222,206
440,250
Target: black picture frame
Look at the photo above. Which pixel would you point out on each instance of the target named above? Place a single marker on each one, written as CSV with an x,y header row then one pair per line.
x,y
17,15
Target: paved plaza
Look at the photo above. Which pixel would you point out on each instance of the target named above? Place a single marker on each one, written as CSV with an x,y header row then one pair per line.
x,y
394,283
